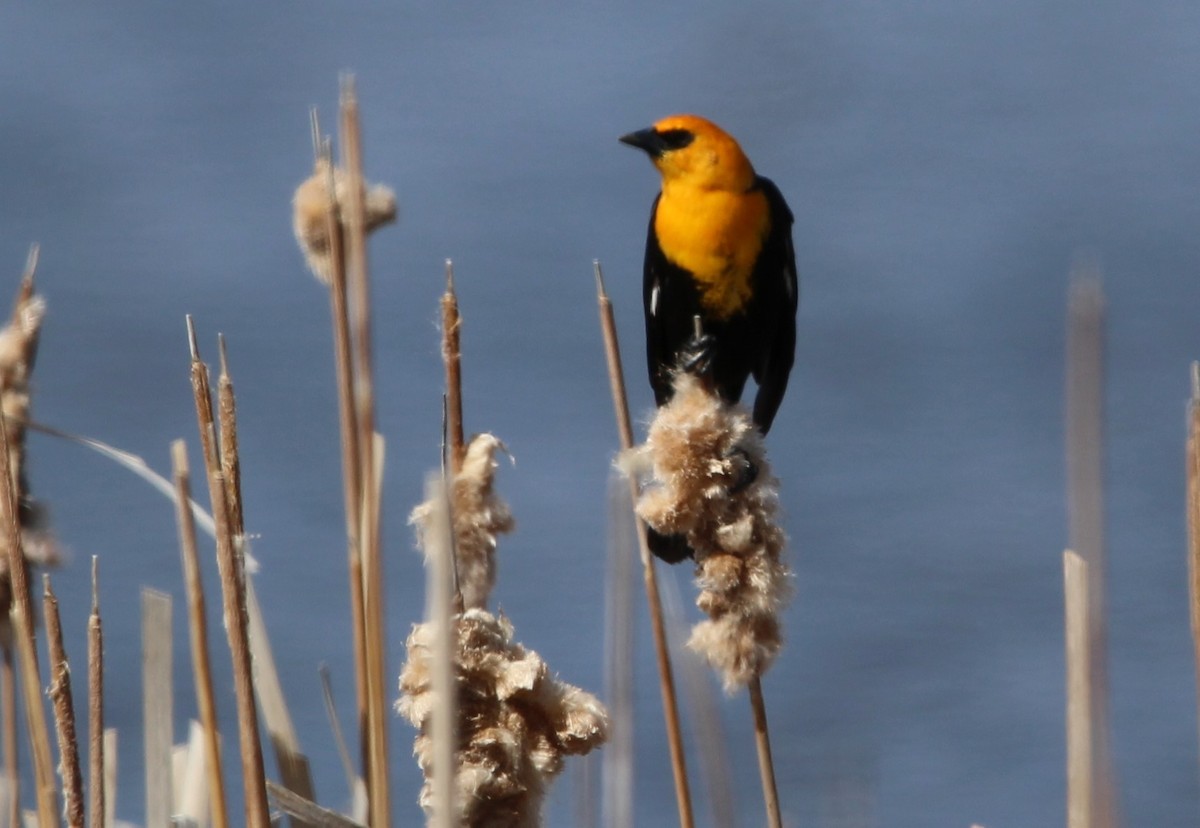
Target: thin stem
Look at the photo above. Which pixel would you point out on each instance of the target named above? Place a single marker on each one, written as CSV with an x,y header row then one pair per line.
x,y
231,566
198,634
96,804
1193,515
354,213
666,678
64,710
8,686
348,420
762,744
452,357
22,619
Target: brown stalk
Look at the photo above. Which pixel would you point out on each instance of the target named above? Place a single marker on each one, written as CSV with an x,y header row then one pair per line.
x,y
231,565
95,639
293,764
704,712
64,710
360,315
348,419
21,616
452,357
762,745
1081,750
198,635
1085,507
1193,515
616,379
157,731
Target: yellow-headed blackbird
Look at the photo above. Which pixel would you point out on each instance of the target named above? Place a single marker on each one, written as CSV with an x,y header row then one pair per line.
x,y
719,247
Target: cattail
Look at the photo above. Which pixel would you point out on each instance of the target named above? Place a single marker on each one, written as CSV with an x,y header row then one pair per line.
x,y
712,484
516,722
479,516
310,207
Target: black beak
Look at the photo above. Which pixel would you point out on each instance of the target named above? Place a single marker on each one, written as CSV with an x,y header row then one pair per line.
x,y
646,139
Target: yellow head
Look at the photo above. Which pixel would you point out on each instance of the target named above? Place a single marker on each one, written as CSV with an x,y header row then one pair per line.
x,y
694,152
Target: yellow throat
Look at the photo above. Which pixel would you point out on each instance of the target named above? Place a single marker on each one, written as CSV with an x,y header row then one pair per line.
x,y
716,235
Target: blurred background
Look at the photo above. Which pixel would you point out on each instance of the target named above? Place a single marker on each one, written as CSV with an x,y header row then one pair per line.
x,y
946,162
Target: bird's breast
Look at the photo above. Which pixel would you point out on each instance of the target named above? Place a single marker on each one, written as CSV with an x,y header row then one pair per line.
x,y
716,236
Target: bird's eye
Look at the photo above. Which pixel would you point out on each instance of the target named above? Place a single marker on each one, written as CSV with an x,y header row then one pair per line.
x,y
674,139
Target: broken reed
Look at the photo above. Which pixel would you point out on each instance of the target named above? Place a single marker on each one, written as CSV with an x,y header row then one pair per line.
x,y
1084,426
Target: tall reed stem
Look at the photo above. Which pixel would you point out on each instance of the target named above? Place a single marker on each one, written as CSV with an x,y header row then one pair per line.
x,y
1193,515
364,400
1085,509
64,710
452,357
23,636
348,422
198,634
762,744
666,680
231,565
95,638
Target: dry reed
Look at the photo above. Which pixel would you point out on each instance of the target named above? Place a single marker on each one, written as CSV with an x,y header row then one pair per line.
x,y
95,662
157,702
452,359
1084,417
479,516
370,464
310,211
700,452
231,567
352,483
666,678
516,721
64,710
1192,459
198,635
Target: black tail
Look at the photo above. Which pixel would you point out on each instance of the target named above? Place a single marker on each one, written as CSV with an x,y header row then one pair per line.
x,y
670,548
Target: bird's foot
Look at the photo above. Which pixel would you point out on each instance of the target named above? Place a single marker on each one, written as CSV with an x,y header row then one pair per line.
x,y
746,470
696,358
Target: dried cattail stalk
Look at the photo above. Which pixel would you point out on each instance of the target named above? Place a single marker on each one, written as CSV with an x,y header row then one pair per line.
x,y
700,452
479,516
18,349
310,207
516,720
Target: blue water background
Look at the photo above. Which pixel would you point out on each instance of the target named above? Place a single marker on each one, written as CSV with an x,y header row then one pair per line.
x,y
947,162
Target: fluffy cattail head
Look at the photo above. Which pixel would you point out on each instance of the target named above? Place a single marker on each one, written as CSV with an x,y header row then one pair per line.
x,y
310,211
711,483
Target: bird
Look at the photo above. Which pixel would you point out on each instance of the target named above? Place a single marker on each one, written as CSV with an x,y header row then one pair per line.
x,y
719,247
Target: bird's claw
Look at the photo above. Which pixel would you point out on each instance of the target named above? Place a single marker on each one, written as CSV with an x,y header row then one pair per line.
x,y
746,470
696,358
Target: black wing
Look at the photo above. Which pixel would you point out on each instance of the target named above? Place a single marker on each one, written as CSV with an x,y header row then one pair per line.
x,y
777,286
670,300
